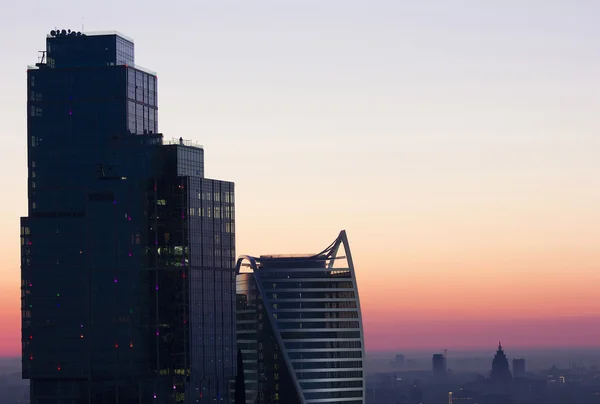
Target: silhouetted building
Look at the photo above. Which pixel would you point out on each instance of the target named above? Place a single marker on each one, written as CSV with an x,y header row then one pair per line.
x,y
416,394
500,369
300,327
240,383
127,251
518,367
439,365
462,397
399,360
556,376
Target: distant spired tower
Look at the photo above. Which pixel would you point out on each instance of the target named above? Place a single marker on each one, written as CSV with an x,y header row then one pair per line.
x,y
500,369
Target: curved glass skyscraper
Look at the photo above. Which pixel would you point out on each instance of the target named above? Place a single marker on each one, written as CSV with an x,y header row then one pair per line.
x,y
300,327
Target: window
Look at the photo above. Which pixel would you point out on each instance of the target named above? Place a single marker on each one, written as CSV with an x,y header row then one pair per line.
x,y
35,96
36,111
131,116
131,84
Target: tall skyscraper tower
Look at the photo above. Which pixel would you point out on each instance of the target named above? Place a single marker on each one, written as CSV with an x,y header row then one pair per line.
x,y
128,251
300,328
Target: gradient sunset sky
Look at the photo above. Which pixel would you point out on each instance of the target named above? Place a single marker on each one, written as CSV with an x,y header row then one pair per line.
x,y
457,142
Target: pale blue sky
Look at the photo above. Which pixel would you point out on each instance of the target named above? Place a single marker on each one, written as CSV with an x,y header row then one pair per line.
x,y
441,130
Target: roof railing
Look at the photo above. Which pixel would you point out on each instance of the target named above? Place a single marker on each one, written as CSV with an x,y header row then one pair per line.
x,y
183,142
96,33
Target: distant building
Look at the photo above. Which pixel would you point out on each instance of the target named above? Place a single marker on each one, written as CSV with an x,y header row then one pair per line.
x,y
500,369
497,399
556,376
439,365
518,367
399,360
461,396
416,394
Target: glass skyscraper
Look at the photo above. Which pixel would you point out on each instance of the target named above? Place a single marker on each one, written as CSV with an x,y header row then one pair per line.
x,y
300,328
128,251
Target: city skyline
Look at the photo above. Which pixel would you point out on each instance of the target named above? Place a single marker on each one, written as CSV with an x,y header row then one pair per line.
x,y
468,149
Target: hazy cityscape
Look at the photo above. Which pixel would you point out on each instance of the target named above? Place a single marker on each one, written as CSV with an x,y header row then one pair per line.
x,y
557,376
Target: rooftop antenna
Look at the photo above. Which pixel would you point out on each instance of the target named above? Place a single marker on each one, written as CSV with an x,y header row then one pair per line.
x,y
41,58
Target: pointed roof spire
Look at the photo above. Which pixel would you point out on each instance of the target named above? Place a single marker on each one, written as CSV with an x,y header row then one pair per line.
x,y
500,367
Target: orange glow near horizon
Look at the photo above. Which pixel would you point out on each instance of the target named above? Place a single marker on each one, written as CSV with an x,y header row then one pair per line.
x,y
425,309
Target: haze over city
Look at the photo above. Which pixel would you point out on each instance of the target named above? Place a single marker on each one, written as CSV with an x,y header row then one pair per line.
x,y
455,141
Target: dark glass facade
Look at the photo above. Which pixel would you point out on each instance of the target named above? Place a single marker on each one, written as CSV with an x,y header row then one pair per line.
x,y
300,328
128,279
